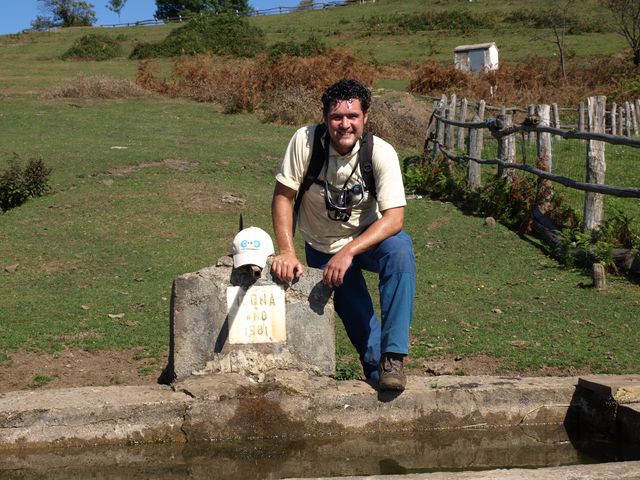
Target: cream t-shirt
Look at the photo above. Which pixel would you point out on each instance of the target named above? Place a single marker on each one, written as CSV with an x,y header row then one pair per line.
x,y
317,229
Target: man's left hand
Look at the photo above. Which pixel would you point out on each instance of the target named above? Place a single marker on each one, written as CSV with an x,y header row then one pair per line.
x,y
334,272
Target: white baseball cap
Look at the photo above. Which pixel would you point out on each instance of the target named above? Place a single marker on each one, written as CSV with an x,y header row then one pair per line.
x,y
251,246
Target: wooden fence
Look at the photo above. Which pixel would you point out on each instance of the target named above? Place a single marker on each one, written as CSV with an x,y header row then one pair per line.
x,y
316,5
454,133
620,119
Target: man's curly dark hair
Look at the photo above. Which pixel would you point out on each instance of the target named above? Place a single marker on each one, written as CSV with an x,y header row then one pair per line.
x,y
345,90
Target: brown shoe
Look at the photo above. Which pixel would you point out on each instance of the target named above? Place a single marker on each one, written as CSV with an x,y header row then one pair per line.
x,y
391,372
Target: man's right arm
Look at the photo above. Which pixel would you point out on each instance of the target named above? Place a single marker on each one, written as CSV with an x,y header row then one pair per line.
x,y
286,265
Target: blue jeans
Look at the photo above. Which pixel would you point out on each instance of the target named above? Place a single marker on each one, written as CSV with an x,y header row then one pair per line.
x,y
394,261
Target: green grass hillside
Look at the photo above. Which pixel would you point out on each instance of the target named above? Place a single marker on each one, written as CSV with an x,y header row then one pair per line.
x,y
146,189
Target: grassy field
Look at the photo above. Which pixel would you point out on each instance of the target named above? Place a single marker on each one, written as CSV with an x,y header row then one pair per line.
x,y
140,194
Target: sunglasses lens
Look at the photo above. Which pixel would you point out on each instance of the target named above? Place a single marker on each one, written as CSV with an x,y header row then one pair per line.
x,y
339,202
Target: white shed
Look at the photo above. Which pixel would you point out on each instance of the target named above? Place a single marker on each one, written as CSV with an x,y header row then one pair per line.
x,y
476,58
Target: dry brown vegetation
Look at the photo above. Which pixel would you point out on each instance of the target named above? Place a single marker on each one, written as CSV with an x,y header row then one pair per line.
x,y
533,81
272,87
98,86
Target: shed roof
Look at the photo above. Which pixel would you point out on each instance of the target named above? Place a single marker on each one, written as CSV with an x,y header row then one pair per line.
x,y
477,46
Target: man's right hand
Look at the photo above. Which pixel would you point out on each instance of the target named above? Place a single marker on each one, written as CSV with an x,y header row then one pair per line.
x,y
287,267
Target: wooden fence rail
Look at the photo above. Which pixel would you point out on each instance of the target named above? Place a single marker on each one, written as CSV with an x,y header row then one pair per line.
x,y
538,123
621,120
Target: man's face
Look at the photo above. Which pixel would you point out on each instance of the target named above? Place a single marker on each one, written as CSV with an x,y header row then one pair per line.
x,y
345,122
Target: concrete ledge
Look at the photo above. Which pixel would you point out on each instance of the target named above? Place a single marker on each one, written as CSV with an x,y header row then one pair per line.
x,y
288,404
603,471
91,415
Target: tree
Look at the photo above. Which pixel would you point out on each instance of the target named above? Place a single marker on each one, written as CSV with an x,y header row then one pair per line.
x,y
559,18
116,6
627,16
171,9
69,13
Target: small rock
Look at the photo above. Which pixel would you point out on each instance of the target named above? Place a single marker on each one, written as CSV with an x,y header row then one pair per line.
x,y
490,222
115,316
85,307
497,310
11,268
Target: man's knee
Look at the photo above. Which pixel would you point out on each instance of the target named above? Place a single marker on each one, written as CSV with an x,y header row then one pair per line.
x,y
396,254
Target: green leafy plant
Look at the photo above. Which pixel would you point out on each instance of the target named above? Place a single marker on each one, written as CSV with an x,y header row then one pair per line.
x,y
40,381
93,46
224,34
310,47
18,184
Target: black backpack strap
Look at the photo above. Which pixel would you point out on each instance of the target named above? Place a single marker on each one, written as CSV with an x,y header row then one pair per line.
x,y
316,162
366,165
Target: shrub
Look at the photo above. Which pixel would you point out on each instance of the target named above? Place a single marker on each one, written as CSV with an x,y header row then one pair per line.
x,y
249,84
41,23
310,47
433,77
293,106
93,47
462,20
224,34
97,86
550,18
17,185
394,123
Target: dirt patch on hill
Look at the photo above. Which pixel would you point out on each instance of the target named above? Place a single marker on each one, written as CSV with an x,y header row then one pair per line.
x,y
79,368
76,368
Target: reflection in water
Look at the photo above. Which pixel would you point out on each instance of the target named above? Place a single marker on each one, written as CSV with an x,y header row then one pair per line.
x,y
391,453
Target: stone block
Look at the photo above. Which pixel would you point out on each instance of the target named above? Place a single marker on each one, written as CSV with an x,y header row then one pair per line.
x,y
629,423
621,388
208,305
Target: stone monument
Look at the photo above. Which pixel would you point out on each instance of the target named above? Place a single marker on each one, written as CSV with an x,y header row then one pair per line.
x,y
225,319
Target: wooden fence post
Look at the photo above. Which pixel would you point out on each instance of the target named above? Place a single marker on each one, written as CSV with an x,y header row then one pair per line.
x,y
556,117
506,151
544,161
439,134
531,110
627,119
481,107
621,121
614,122
596,166
463,118
511,143
637,109
581,117
474,180
449,129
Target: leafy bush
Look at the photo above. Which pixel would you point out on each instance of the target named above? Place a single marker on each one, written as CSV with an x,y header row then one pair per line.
x,y
550,18
225,34
41,23
93,47
462,20
310,47
18,184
